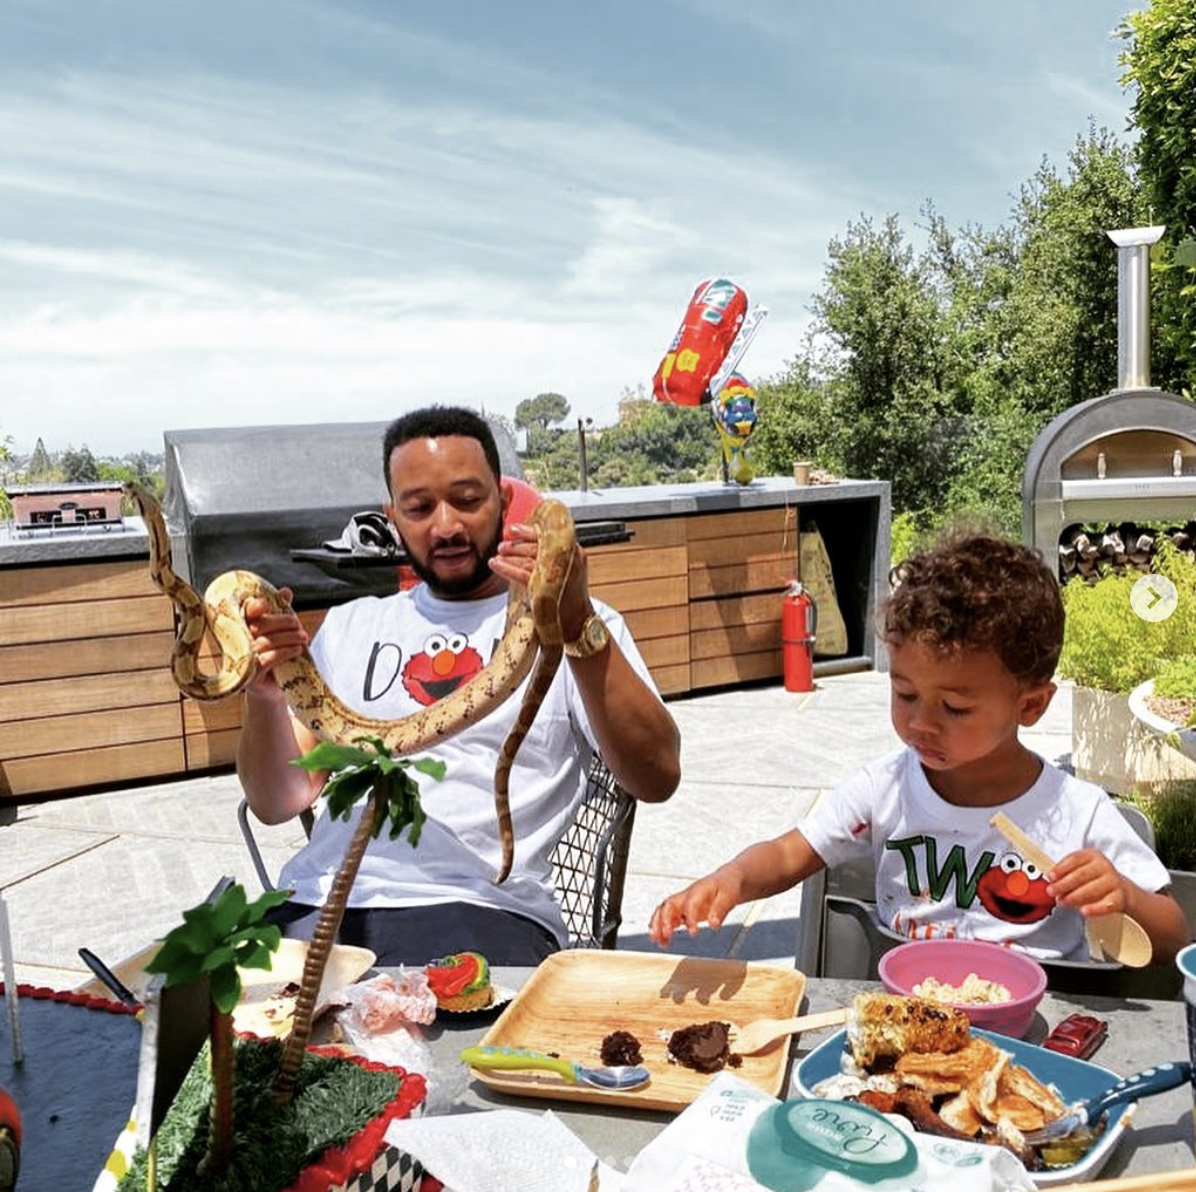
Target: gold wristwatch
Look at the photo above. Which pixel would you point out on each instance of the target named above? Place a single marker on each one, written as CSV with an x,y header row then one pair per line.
x,y
593,639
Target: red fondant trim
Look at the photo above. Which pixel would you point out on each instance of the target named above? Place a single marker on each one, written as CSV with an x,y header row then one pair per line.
x,y
87,1000
339,1164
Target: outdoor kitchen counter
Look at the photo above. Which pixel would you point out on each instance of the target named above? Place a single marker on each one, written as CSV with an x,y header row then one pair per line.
x,y
1141,1033
86,698
69,544
674,500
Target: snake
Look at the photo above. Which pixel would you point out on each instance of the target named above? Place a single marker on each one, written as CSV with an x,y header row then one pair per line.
x,y
532,638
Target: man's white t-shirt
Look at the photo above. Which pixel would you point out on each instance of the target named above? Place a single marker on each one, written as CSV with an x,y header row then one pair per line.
x,y
943,871
388,657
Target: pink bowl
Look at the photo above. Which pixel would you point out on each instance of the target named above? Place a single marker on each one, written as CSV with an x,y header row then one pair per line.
x,y
950,961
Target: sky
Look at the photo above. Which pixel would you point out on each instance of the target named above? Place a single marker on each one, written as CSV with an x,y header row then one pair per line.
x,y
219,214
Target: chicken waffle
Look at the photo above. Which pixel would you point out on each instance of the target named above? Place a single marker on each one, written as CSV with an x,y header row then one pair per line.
x,y
920,1059
886,1025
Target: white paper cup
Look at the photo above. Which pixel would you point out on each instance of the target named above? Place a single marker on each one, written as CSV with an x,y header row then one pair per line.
x,y
1186,961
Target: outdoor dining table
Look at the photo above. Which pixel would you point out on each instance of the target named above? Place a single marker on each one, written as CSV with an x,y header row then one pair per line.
x,y
1141,1033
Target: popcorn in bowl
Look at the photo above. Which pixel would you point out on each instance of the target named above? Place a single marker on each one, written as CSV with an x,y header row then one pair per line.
x,y
972,990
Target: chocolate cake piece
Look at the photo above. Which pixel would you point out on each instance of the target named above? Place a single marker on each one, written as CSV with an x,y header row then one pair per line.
x,y
621,1047
702,1046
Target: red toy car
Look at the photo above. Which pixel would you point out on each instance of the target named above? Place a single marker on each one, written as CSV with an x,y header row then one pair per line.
x,y
10,1142
1077,1035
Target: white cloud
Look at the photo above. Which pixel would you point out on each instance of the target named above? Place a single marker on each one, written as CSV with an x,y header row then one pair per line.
x,y
391,215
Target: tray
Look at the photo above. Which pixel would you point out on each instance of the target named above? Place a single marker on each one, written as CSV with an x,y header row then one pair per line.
x,y
1075,1080
576,998
263,1011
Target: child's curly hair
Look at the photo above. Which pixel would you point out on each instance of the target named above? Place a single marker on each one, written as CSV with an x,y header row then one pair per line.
x,y
976,592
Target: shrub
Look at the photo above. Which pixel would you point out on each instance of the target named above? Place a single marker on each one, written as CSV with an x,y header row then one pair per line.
x,y
1177,678
1171,809
1106,645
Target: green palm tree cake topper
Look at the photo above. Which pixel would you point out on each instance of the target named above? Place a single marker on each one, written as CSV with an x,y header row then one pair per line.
x,y
217,939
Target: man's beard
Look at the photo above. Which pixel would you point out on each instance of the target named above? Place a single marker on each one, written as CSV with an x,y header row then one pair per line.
x,y
456,588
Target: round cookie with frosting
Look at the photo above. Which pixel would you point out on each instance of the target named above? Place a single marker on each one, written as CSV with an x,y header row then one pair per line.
x,y
461,981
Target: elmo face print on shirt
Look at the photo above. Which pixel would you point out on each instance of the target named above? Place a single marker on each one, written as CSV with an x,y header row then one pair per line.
x,y
445,663
1009,888
1015,890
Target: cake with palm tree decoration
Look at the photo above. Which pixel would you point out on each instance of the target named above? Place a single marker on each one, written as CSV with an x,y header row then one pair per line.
x,y
273,1115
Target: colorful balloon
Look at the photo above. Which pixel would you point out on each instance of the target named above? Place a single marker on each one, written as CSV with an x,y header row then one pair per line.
x,y
712,321
734,414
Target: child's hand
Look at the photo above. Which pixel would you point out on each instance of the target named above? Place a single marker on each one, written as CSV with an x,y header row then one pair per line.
x,y
708,900
1087,881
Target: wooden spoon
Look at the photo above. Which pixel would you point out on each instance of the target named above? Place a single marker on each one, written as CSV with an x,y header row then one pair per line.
x,y
756,1036
1120,937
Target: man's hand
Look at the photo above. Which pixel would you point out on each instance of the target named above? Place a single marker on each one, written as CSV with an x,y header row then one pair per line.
x,y
517,557
277,637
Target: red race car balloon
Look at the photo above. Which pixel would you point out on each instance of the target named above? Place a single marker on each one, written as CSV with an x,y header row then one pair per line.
x,y
712,321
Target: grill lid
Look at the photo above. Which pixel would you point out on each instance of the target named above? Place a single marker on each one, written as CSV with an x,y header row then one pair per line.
x,y
250,497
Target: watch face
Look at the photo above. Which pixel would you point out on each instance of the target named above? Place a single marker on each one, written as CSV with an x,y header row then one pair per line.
x,y
594,637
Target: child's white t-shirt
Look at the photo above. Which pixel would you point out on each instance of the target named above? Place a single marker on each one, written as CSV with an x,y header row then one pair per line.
x,y
942,871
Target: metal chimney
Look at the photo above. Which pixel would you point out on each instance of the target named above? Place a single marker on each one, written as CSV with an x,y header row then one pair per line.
x,y
1133,304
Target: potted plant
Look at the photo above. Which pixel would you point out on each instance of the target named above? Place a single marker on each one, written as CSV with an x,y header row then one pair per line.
x,y
1166,704
1108,652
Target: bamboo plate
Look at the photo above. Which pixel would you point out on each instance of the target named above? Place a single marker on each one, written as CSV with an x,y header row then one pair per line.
x,y
265,1011
576,998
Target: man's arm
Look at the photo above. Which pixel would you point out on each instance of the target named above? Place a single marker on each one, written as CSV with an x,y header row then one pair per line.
x,y
270,736
637,737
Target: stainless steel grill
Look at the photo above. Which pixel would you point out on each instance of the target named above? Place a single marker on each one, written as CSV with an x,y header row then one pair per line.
x,y
1126,456
261,498
268,498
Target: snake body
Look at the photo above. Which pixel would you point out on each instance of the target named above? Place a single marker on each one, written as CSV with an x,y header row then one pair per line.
x,y
532,632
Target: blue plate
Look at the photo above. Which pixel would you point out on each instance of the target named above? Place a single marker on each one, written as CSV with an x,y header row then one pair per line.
x,y
1075,1080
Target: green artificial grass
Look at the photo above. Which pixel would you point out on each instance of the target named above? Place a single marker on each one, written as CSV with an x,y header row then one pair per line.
x,y
272,1144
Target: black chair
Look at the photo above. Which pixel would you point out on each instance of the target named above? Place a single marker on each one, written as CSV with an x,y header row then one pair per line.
x,y
589,863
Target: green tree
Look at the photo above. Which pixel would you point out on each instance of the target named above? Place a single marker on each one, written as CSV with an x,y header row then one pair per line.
x,y
662,444
392,796
1160,62
883,361
40,467
80,466
217,939
1059,325
1032,318
794,420
539,413
936,369
5,455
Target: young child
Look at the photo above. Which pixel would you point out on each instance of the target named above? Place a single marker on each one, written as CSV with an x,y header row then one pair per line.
x,y
974,629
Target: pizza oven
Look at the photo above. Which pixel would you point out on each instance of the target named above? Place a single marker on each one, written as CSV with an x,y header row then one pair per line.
x,y
1119,460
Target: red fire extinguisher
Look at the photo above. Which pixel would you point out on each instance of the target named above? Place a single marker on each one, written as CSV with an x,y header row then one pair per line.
x,y
799,623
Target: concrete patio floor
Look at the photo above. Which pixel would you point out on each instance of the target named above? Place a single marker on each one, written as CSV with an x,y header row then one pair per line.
x,y
113,871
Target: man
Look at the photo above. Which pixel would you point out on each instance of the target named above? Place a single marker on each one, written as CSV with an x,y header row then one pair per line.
x,y
388,657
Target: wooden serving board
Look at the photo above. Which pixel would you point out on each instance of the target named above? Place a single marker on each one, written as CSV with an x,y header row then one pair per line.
x,y
576,998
